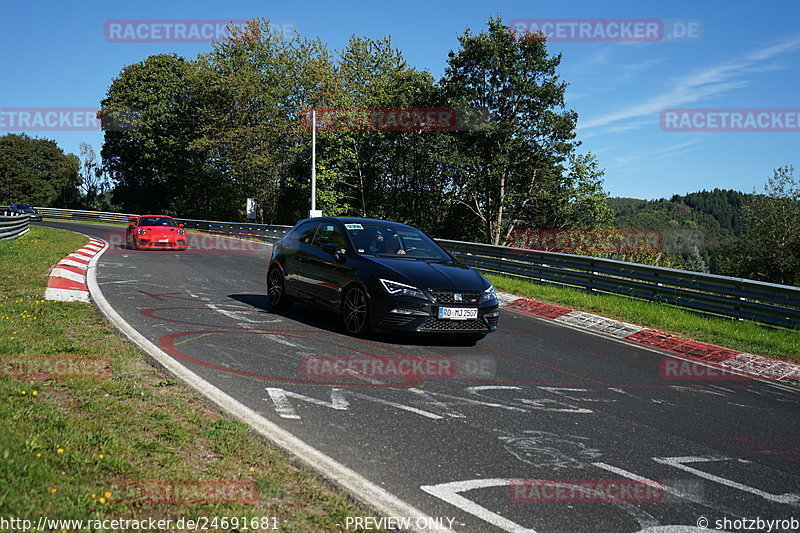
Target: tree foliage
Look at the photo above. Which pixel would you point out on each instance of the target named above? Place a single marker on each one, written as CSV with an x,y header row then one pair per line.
x,y
36,171
769,247
198,137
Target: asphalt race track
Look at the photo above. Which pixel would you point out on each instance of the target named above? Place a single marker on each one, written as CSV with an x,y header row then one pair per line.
x,y
534,401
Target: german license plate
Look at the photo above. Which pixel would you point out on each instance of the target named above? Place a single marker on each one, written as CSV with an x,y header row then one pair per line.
x,y
163,240
458,313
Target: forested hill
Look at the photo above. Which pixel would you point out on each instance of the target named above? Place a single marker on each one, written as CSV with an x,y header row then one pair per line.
x,y
716,214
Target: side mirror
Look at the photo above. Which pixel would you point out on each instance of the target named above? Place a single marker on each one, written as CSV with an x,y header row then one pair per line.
x,y
181,225
131,225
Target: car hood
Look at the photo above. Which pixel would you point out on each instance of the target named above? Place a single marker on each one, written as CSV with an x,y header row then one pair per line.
x,y
429,274
160,230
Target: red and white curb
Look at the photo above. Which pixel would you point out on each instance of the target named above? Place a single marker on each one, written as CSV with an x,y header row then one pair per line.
x,y
68,278
754,365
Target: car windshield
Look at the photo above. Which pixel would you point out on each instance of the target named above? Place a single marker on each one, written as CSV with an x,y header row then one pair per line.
x,y
396,241
157,221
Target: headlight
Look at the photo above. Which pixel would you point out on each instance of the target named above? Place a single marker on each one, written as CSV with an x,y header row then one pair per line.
x,y
488,294
401,289
141,231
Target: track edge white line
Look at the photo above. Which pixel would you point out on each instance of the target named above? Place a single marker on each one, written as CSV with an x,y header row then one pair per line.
x,y
361,488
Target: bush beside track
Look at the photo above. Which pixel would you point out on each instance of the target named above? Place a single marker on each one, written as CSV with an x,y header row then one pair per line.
x,y
65,443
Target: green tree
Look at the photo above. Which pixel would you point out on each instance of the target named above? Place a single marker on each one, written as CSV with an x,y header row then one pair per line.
x,y
255,86
587,200
508,171
36,171
770,246
149,118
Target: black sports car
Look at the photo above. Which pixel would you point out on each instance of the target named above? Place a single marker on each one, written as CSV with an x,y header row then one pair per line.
x,y
380,275
24,209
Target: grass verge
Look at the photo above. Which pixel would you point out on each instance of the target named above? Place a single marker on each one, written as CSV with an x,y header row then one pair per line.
x,y
746,336
69,445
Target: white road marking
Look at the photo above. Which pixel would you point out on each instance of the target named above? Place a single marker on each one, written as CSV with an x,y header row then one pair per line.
x,y
426,414
283,406
538,404
681,464
443,407
561,390
695,388
449,492
281,340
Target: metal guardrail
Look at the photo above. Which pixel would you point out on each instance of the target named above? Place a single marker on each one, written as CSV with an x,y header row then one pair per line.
x,y
13,226
768,303
260,231
77,214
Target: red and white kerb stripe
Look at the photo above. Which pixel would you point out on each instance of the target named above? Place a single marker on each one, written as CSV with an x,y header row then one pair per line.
x,y
68,278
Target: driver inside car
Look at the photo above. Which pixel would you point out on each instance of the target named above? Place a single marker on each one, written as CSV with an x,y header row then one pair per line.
x,y
391,245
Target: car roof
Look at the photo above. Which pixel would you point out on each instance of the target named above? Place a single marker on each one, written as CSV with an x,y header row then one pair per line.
x,y
356,220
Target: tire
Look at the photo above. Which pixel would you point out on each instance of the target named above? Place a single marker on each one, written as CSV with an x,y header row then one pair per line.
x,y
276,290
355,312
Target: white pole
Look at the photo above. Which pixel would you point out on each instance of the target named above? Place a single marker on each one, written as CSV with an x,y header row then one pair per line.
x,y
313,160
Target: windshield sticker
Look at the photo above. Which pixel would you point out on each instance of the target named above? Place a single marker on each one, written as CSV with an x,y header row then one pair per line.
x,y
354,226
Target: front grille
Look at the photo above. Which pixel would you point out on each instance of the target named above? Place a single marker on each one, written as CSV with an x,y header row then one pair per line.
x,y
448,297
434,324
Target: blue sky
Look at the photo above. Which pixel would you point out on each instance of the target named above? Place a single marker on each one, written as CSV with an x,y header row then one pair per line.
x,y
55,55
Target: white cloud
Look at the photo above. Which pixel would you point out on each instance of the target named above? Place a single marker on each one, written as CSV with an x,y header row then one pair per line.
x,y
709,82
660,153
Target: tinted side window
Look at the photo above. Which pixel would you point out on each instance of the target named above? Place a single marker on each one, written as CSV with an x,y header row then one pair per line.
x,y
305,232
329,234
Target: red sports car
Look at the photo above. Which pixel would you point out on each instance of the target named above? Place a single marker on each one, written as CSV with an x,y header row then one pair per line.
x,y
155,232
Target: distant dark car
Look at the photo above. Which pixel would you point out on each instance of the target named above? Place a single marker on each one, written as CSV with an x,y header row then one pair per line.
x,y
24,209
155,232
380,275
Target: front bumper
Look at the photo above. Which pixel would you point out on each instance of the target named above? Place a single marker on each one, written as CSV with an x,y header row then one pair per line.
x,y
417,316
147,244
